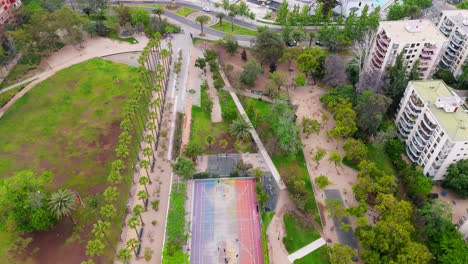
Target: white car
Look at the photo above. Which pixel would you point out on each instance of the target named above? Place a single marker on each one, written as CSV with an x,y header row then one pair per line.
x,y
206,9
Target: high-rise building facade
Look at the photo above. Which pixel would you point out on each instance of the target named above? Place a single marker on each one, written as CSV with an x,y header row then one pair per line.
x,y
7,8
417,39
454,25
433,122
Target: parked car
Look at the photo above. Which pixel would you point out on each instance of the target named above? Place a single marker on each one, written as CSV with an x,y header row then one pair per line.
x,y
206,9
291,43
318,43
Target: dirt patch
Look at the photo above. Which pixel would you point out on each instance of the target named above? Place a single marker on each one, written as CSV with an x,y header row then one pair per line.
x,y
236,61
51,246
229,148
322,213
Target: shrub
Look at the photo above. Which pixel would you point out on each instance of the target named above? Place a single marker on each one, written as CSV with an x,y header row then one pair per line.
x,y
223,143
251,71
148,253
154,222
322,181
218,82
155,205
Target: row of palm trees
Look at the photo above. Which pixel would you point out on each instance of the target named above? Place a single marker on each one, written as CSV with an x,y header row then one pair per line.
x,y
141,112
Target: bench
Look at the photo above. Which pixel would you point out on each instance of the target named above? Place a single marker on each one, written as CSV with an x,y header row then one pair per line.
x,y
141,233
138,249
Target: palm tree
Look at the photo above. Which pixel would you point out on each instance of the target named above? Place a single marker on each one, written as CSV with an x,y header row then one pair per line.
x,y
132,244
149,139
145,165
110,194
298,35
148,152
151,126
116,178
158,11
137,211
311,35
413,12
134,223
209,140
99,230
143,181
203,19
124,255
143,195
61,203
109,211
94,248
192,150
232,14
233,9
220,15
240,128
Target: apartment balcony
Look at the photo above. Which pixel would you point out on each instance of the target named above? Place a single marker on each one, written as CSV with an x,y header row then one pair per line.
x,y
379,52
431,172
444,64
429,125
376,63
447,58
417,143
411,155
381,45
424,137
404,134
429,48
412,110
379,58
411,118
426,134
405,127
447,25
450,53
457,38
383,37
445,31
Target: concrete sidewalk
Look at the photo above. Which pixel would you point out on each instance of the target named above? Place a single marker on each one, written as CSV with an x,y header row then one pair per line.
x,y
306,250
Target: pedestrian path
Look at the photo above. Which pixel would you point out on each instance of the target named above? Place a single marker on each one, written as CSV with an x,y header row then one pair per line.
x,y
306,250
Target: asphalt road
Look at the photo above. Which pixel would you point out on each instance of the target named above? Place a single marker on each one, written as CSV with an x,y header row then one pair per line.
x,y
191,23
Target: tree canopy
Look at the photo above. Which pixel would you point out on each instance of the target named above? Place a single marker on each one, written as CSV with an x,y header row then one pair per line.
x,y
457,178
268,45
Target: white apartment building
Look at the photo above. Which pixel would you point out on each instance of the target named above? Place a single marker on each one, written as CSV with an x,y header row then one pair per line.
x,y
418,39
434,125
454,25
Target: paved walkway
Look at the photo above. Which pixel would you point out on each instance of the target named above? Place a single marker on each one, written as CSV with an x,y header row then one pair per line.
x,y
22,82
216,113
68,56
306,250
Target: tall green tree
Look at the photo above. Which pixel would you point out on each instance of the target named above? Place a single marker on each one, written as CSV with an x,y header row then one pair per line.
x,y
457,177
341,254
250,73
184,167
133,244
138,210
355,149
319,154
95,248
312,62
193,150
371,108
268,45
282,13
202,20
100,230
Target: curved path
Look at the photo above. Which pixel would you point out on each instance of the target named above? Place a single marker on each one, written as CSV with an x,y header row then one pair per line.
x,y
68,55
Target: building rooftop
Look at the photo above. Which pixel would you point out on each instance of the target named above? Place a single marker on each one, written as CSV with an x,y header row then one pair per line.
x,y
409,31
459,17
455,124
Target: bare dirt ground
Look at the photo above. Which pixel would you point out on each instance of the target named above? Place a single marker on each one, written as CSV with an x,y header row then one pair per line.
x,y
237,63
343,178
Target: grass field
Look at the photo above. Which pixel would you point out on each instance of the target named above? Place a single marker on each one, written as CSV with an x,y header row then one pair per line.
x,y
238,30
68,124
377,155
266,219
202,127
6,96
285,164
185,11
298,235
113,35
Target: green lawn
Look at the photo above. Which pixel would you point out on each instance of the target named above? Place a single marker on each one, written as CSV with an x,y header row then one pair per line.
x,y
6,96
238,30
69,124
202,127
266,219
377,155
185,11
299,235
113,35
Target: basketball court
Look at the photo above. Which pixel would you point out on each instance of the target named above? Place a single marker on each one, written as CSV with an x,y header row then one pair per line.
x,y
225,222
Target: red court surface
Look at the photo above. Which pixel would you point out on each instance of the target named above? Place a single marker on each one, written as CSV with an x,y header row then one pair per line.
x,y
225,223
